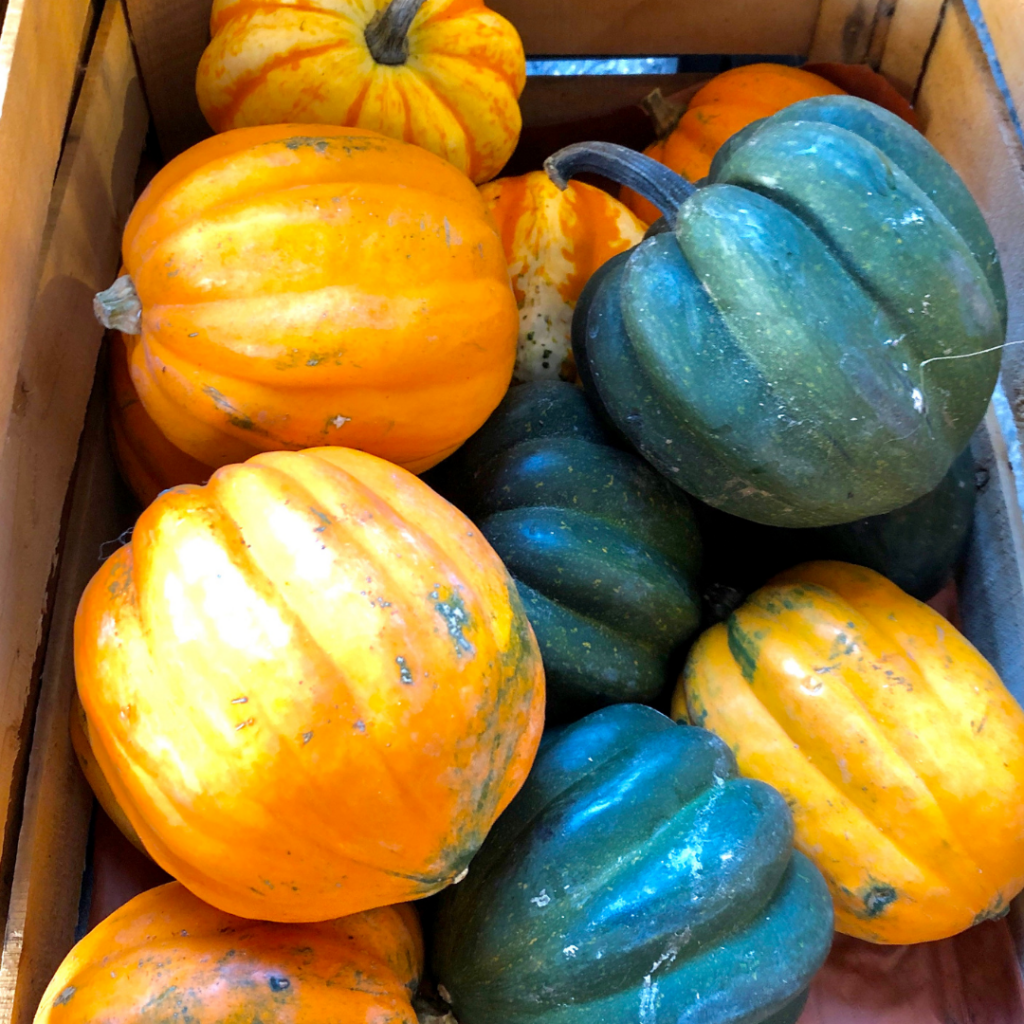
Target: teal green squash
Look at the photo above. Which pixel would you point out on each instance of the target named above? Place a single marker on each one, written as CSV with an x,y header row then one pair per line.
x,y
918,547
605,552
817,336
635,878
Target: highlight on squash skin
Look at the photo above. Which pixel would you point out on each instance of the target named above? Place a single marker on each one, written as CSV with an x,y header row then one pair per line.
x,y
310,685
167,956
554,240
456,92
895,743
730,101
305,289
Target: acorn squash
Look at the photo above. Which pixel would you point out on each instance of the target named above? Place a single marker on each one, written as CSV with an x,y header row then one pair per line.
x,y
818,335
166,956
917,547
604,551
309,684
895,743
635,878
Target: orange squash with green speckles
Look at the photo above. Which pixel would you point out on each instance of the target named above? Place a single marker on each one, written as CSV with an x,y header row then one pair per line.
x,y
554,240
895,743
310,685
167,956
729,102
294,286
443,74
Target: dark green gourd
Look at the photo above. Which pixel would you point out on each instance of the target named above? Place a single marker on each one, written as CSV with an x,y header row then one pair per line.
x,y
917,547
605,552
635,879
817,336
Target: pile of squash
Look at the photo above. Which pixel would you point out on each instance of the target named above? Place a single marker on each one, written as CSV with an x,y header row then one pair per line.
x,y
632,680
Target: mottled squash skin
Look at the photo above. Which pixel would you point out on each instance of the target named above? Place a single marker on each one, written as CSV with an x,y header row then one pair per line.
x,y
635,878
554,240
819,337
455,93
315,285
168,958
604,551
148,462
729,102
917,547
310,685
895,743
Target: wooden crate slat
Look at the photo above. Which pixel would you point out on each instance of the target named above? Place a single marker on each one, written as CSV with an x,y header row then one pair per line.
x,y
58,802
619,27
91,199
845,29
40,47
909,42
967,120
1002,27
169,40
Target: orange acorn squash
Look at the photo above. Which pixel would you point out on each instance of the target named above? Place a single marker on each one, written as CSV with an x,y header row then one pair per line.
x,y
167,956
296,286
554,240
444,74
148,462
729,102
895,743
310,685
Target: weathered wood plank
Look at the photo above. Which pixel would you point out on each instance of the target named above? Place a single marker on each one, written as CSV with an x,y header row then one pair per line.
x,y
909,42
40,47
90,202
845,29
967,120
618,27
169,40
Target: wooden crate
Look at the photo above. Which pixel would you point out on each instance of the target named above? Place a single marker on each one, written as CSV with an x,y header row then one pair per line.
x,y
82,81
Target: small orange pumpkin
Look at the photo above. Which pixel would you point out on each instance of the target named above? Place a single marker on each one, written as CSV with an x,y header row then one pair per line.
x,y
167,956
729,102
294,286
895,743
310,685
554,240
148,462
443,74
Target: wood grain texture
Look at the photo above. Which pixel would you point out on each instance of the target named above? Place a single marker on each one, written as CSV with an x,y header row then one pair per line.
x,y
90,202
1004,20
618,27
966,119
40,46
909,41
845,29
169,37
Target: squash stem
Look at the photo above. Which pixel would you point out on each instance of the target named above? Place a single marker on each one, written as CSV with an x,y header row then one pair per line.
x,y
387,34
119,308
655,182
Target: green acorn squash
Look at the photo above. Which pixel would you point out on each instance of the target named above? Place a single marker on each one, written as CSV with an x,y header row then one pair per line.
x,y
817,336
917,547
604,551
635,877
